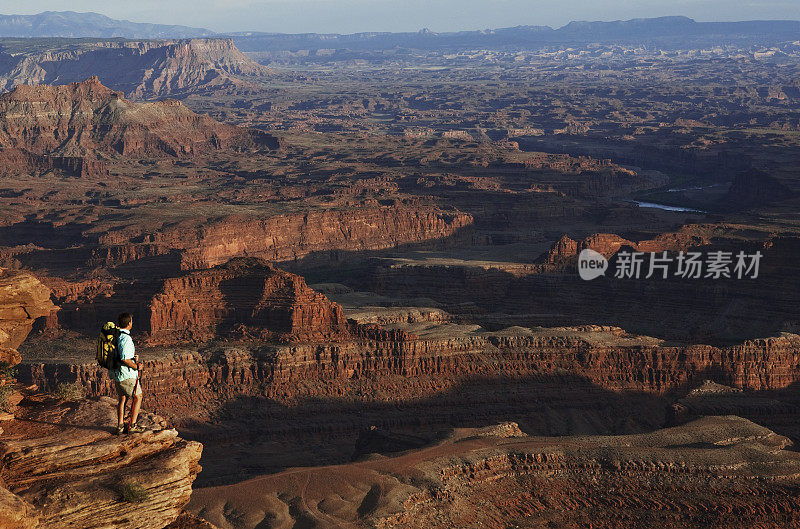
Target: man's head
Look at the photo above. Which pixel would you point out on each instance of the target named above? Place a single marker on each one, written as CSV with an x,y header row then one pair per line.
x,y
125,321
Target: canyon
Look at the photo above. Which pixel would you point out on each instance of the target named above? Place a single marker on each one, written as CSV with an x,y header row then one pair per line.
x,y
354,280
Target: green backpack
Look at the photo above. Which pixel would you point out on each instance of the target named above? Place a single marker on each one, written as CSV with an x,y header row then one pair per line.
x,y
107,355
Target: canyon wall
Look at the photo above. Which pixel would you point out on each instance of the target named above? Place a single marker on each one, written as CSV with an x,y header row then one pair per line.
x,y
410,367
282,237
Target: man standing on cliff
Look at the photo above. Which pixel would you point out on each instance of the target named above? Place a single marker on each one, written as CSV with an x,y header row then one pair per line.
x,y
126,377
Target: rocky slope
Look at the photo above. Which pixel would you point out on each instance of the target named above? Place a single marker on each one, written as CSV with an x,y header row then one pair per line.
x,y
140,69
87,118
724,470
62,459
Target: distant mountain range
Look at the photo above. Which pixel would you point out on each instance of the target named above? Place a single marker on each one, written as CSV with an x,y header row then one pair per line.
x,y
664,31
71,24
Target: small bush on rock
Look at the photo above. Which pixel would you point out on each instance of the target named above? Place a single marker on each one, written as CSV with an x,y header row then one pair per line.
x,y
7,371
72,391
132,492
5,392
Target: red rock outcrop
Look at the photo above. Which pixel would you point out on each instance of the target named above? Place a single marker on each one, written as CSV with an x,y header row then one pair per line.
x,y
88,118
23,299
63,463
563,248
60,465
608,244
246,296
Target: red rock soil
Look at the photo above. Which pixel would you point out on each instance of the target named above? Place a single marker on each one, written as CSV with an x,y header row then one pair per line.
x,y
719,471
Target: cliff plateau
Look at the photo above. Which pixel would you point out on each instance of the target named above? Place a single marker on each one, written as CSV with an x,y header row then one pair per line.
x,y
146,69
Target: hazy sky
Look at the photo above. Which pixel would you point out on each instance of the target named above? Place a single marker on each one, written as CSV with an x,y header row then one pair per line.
x,y
346,16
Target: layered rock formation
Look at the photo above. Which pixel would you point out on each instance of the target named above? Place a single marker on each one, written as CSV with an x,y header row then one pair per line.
x,y
23,299
566,250
724,469
87,118
553,382
604,357
140,69
246,296
69,470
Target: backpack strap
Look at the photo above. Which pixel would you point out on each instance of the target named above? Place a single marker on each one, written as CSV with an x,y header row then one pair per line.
x,y
118,335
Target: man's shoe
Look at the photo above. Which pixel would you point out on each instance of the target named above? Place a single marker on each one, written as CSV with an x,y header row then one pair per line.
x,y
120,430
135,429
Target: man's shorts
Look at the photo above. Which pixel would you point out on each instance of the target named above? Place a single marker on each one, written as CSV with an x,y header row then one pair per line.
x,y
125,387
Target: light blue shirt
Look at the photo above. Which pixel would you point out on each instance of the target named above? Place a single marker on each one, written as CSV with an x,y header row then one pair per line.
x,y
126,350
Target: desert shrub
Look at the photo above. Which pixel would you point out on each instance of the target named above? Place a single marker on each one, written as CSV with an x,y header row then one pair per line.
x,y
5,392
69,391
132,492
7,371
425,483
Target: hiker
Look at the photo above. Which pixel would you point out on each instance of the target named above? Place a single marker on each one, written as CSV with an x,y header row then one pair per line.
x,y
126,377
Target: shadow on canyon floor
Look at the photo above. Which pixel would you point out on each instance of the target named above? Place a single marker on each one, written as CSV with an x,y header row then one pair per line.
x,y
684,310
250,436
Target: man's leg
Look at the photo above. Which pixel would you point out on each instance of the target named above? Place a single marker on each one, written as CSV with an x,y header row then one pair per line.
x,y
121,410
136,404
